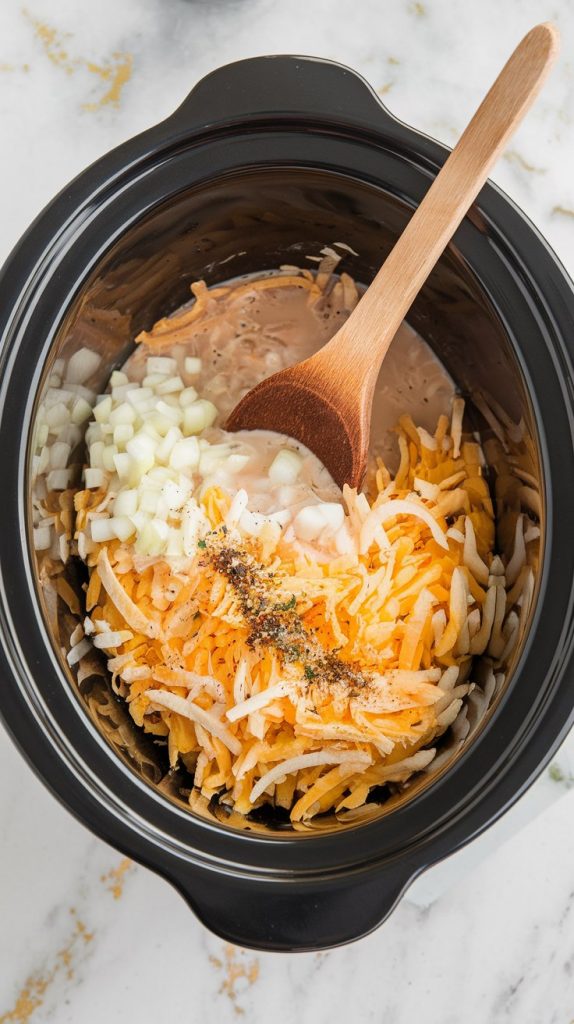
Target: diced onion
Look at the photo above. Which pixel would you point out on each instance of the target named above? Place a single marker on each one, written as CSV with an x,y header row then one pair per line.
x,y
81,410
94,478
103,409
192,365
169,386
285,467
123,527
122,434
198,416
82,365
102,530
57,416
187,396
185,454
308,523
42,538
59,455
161,364
59,479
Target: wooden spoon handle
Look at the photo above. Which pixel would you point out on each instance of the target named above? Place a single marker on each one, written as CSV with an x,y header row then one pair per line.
x,y
365,337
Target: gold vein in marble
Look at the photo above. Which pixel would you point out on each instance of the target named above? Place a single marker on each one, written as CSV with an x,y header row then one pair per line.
x,y
6,66
236,969
32,994
514,157
115,878
117,72
563,211
114,71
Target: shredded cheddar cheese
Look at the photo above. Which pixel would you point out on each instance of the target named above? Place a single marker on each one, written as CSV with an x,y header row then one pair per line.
x,y
304,657
405,609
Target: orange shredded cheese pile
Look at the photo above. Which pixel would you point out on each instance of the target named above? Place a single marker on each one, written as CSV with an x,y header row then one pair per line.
x,y
406,609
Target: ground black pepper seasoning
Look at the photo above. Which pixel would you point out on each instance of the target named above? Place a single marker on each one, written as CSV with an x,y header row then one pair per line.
x,y
278,624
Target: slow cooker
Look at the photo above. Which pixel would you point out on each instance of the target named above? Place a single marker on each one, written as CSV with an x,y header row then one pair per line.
x,y
266,161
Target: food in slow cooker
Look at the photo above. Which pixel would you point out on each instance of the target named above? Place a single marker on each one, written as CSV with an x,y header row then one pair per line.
x,y
292,644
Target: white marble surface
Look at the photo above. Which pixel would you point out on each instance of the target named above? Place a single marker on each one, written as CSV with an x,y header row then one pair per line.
x,y
85,937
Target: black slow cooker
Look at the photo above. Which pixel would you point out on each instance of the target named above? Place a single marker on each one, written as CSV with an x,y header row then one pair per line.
x,y
265,162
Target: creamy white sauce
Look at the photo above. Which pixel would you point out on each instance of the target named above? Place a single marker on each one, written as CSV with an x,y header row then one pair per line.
x,y
260,332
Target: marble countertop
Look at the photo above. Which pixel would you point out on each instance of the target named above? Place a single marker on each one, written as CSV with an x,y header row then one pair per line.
x,y
85,935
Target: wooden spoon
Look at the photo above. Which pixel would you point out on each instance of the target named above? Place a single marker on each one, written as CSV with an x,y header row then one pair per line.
x,y
325,402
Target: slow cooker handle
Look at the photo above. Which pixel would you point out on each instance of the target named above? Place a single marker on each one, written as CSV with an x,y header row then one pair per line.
x,y
293,916
281,87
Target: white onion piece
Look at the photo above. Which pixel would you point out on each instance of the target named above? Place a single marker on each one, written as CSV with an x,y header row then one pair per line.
x,y
94,478
309,523
43,432
126,503
192,365
124,466
169,386
57,416
123,527
58,479
285,467
122,434
153,379
161,364
187,396
171,412
235,462
42,538
102,530
108,455
59,455
82,365
185,454
43,463
252,523
198,416
103,408
153,538
124,413
165,446
81,410
172,498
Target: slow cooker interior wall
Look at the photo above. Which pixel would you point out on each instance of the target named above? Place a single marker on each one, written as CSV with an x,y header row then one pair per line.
x,y
257,221
254,222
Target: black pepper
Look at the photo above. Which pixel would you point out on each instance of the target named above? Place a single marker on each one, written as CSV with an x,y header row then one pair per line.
x,y
276,624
